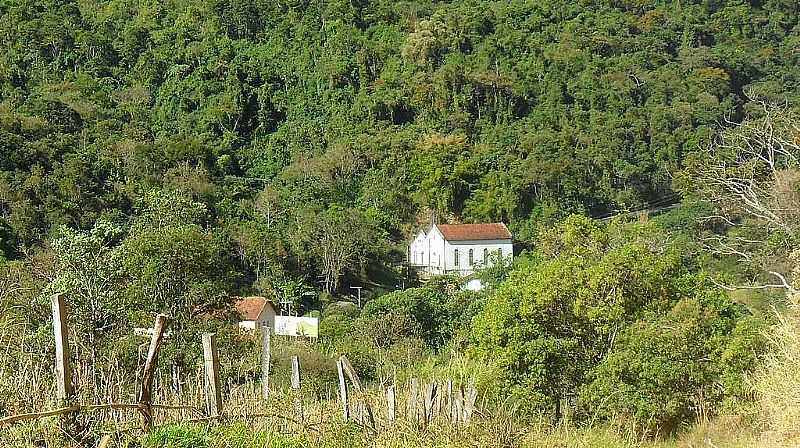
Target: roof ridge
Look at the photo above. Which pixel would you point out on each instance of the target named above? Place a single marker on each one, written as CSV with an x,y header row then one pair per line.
x,y
475,231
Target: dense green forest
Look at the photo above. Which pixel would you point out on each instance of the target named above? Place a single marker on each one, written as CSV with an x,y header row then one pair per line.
x,y
291,119
166,156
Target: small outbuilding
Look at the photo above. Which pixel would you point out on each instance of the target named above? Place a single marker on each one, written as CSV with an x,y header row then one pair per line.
x,y
256,312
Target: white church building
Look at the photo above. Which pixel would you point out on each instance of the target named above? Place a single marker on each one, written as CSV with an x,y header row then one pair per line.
x,y
459,249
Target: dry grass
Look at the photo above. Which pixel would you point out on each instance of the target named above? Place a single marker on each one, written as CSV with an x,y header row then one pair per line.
x,y
29,387
777,382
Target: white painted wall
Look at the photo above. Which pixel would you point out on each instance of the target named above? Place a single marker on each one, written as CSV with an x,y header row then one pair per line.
x,y
267,317
438,256
436,251
297,326
492,248
417,250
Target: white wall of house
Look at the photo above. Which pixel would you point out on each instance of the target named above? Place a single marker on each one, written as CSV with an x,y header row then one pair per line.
x,y
417,250
436,250
484,252
436,255
267,317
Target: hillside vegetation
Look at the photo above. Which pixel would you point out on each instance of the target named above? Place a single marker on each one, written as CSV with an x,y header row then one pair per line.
x,y
167,156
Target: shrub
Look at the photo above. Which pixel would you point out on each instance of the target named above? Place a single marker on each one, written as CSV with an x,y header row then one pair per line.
x,y
362,356
413,311
335,326
665,371
621,310
318,369
434,313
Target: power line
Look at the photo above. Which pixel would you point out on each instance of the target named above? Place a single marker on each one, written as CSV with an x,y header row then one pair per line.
x,y
653,206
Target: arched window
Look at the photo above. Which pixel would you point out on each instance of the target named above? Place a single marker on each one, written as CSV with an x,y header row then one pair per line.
x,y
471,257
455,257
485,256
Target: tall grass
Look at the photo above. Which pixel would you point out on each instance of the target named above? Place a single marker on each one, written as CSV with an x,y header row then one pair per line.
x,y
26,384
777,381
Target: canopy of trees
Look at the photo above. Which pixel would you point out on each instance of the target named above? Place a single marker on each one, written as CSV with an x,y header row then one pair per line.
x,y
617,322
368,113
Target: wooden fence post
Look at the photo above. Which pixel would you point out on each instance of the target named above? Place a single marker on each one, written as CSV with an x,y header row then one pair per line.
x,y
105,441
63,368
265,360
351,373
458,405
391,404
145,395
450,404
343,390
437,410
411,404
296,386
428,401
211,363
470,395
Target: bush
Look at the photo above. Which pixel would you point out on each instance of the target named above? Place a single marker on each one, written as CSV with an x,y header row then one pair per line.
x,y
622,314
411,313
434,313
666,371
335,326
362,356
318,369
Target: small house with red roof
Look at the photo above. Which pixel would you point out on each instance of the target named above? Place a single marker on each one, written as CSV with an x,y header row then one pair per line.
x,y
255,312
459,249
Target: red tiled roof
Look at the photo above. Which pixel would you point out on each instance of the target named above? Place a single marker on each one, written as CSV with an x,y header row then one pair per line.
x,y
250,307
472,232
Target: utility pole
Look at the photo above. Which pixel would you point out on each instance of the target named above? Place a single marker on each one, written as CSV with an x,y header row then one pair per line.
x,y
358,288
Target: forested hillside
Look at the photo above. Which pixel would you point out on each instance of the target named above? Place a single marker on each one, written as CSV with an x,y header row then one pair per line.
x,y
293,119
168,156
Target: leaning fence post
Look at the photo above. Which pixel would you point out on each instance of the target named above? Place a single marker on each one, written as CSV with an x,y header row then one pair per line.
x,y
343,390
63,368
265,360
145,395
351,373
296,386
211,363
105,441
391,404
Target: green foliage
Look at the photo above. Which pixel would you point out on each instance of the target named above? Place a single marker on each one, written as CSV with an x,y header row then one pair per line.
x,y
613,307
394,331
88,274
434,314
661,373
171,263
186,436
163,158
176,436
335,326
488,110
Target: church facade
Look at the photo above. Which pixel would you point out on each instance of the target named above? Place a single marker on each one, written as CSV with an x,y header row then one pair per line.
x,y
459,249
